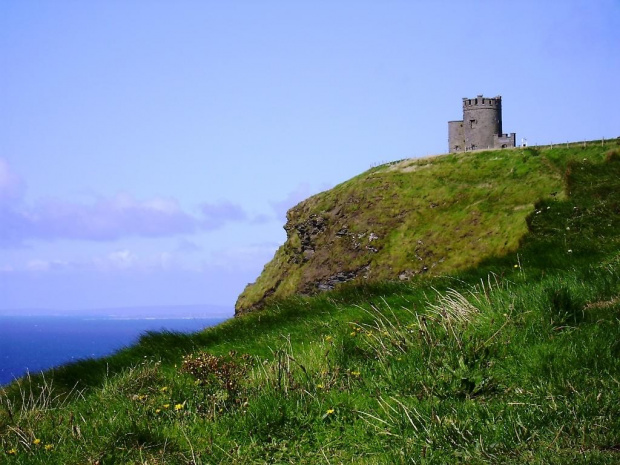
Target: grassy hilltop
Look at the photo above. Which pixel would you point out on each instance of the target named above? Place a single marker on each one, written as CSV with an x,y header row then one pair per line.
x,y
506,349
394,222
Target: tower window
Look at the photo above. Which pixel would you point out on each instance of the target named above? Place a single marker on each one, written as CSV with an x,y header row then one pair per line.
x,y
472,123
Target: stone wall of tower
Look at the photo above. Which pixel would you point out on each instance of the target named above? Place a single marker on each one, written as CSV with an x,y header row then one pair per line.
x,y
482,119
481,127
503,141
456,136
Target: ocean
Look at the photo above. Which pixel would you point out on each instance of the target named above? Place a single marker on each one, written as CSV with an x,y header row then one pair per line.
x,y
36,343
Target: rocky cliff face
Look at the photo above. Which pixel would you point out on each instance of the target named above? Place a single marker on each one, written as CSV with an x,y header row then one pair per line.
x,y
406,219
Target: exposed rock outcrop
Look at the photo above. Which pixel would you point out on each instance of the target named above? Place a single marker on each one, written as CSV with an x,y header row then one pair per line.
x,y
399,221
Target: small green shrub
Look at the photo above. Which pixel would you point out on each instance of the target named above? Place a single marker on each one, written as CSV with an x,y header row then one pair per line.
x,y
220,377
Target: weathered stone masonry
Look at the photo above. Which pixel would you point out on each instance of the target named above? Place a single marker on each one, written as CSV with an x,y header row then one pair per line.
x,y
481,126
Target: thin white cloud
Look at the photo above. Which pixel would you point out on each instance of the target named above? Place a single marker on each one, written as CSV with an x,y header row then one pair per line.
x,y
38,265
252,257
104,219
115,260
121,259
215,215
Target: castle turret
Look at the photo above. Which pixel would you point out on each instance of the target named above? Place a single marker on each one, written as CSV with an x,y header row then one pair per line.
x,y
482,119
481,127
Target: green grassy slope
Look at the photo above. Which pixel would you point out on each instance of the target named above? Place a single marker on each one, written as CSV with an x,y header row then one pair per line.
x,y
415,217
515,360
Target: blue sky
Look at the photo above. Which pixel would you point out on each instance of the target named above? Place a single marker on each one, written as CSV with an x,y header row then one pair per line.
x,y
149,150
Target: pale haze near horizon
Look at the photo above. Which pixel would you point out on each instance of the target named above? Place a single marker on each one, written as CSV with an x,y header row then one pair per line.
x,y
150,150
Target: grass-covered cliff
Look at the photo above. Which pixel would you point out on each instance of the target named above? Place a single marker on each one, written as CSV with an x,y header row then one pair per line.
x,y
511,360
404,219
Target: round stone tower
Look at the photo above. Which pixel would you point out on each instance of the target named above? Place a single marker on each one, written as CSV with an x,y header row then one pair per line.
x,y
482,119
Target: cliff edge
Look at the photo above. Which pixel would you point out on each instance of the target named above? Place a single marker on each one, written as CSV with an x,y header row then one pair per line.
x,y
405,219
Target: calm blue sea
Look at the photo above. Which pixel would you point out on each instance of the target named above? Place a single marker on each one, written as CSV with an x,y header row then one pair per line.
x,y
36,343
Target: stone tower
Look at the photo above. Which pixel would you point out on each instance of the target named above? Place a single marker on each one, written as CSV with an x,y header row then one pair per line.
x,y
481,126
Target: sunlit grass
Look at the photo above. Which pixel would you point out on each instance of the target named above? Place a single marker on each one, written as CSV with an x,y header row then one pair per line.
x,y
512,361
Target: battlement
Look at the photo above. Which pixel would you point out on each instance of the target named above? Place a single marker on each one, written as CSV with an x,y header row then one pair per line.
x,y
481,126
482,102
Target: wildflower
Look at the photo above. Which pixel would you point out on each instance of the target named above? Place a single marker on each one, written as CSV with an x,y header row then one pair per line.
x,y
319,386
164,389
328,339
516,266
166,406
355,373
12,452
178,407
157,411
330,411
353,334
36,441
49,446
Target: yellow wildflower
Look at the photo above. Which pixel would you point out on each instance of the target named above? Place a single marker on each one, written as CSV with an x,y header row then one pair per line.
x,y
319,386
166,405
178,407
353,334
12,452
36,441
157,411
516,266
329,411
49,446
164,389
355,373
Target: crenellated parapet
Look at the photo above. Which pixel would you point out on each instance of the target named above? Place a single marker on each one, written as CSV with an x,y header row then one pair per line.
x,y
481,126
482,102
